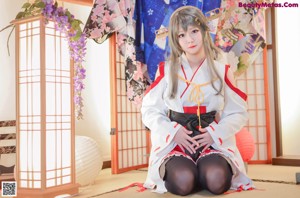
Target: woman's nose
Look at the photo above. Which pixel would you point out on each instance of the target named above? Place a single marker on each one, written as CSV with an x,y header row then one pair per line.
x,y
189,38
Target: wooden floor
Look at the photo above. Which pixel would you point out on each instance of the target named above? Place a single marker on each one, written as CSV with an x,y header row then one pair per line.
x,y
287,160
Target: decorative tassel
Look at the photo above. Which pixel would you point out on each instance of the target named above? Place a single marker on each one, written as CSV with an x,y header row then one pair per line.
x,y
198,114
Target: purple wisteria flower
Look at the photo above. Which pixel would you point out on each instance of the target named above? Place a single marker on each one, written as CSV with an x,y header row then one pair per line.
x,y
69,26
48,1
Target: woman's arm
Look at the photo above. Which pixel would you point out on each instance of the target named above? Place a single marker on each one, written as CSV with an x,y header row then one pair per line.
x,y
234,115
155,117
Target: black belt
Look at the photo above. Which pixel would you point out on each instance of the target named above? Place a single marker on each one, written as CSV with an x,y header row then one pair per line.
x,y
191,122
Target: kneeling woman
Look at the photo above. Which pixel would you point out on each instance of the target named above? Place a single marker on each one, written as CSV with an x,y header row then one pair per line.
x,y
193,110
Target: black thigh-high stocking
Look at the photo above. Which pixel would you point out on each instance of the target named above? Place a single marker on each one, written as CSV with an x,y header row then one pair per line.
x,y
180,176
215,174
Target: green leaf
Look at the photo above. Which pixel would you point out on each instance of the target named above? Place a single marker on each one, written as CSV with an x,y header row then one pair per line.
x,y
30,9
26,5
27,14
33,5
77,36
79,22
20,15
68,13
75,24
40,5
39,10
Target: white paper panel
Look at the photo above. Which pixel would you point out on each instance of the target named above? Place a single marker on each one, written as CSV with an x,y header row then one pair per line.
x,y
24,184
124,140
66,97
66,149
50,99
263,151
66,180
50,51
50,183
66,171
36,99
36,149
65,55
37,184
58,148
58,98
50,154
23,147
130,158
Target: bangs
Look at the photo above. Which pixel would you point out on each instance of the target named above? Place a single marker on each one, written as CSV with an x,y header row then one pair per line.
x,y
184,21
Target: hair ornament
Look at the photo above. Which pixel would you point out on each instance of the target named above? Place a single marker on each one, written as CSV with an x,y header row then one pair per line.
x,y
197,20
161,33
213,14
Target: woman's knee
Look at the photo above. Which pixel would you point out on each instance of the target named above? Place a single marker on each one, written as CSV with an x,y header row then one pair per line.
x,y
181,182
214,174
218,180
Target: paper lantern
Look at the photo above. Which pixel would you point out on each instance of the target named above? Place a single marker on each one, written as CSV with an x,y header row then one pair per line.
x,y
245,144
88,160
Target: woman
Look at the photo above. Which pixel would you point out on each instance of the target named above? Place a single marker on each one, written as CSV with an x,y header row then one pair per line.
x,y
193,111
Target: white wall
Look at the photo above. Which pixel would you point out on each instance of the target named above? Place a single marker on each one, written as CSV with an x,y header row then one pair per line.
x,y
288,51
96,123
8,11
96,95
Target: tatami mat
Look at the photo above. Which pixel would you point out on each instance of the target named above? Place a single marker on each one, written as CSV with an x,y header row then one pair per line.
x,y
276,173
270,181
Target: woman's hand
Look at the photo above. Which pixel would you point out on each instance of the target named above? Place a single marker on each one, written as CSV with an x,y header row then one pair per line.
x,y
184,141
204,139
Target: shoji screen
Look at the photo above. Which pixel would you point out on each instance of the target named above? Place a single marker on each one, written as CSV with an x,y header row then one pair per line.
x,y
129,136
254,83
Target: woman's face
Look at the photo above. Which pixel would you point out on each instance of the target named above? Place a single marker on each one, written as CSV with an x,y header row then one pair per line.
x,y
190,41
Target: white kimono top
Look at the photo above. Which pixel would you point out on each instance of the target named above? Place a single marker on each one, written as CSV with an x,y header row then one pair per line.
x,y
231,103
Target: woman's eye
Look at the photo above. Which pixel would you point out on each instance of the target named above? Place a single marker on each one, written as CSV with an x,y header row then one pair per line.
x,y
195,30
180,35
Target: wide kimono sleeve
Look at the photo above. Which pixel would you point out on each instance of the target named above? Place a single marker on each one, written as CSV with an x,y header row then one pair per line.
x,y
155,114
234,115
